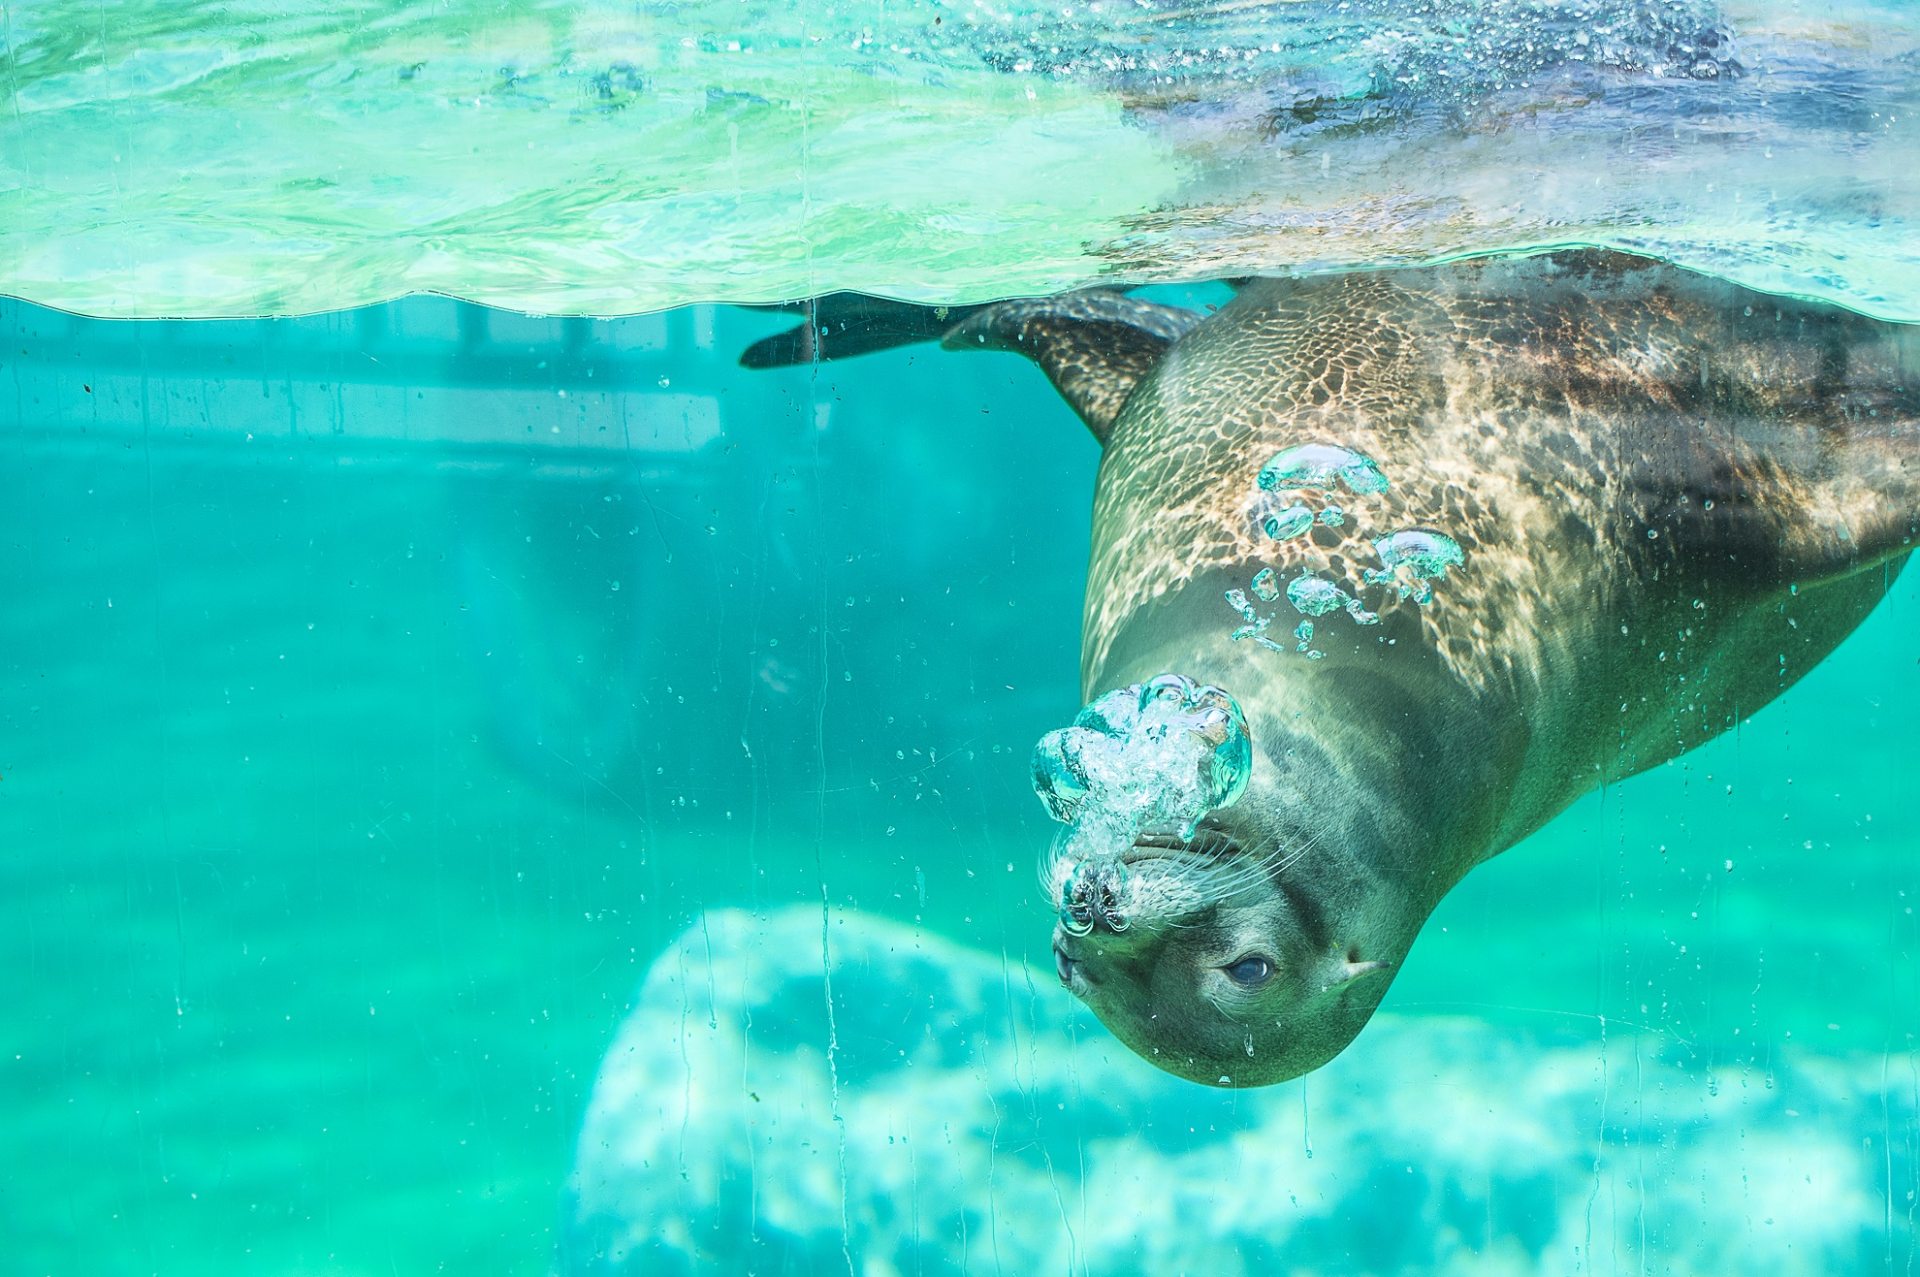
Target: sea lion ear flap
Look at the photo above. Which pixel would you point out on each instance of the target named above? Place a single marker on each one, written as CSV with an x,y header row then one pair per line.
x,y
1337,971
1094,346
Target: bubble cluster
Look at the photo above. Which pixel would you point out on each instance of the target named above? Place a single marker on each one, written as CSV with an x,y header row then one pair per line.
x,y
1149,757
1256,625
1411,558
1316,596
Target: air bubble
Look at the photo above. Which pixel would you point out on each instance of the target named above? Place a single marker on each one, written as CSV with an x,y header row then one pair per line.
x,y
1265,585
1317,465
1314,595
1412,557
1280,522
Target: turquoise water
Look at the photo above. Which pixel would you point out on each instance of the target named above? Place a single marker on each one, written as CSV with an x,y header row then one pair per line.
x,y
382,695
488,792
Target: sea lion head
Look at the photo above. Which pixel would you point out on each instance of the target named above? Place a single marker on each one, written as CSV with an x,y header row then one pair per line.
x,y
1210,936
1220,970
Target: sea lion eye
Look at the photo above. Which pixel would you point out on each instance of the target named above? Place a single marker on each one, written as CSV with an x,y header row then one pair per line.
x,y
1251,971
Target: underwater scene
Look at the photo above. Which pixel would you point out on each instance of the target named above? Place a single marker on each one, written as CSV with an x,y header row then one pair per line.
x,y
959,638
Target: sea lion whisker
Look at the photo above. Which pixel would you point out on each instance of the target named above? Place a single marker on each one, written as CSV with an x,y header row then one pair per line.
x,y
1268,863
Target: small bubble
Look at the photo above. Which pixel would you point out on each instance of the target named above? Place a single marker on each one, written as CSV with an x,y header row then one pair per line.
x,y
1421,554
1333,516
1653,534
1314,595
1266,585
1286,523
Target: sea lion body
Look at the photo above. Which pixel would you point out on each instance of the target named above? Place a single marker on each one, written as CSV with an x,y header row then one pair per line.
x,y
1673,497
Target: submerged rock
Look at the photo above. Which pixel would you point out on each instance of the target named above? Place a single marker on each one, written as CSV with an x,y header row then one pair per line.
x,y
797,1099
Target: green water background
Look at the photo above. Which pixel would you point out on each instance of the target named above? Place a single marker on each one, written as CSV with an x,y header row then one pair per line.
x,y
372,711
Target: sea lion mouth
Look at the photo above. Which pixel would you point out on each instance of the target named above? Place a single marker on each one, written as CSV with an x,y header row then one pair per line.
x,y
1156,879
1206,847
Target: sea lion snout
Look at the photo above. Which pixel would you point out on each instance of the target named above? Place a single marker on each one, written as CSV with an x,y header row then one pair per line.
x,y
1094,900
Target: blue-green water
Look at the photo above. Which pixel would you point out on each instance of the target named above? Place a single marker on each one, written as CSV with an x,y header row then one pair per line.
x,y
381,696
493,794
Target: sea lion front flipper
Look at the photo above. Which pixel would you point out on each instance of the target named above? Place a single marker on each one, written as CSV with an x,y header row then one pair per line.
x,y
1094,346
841,325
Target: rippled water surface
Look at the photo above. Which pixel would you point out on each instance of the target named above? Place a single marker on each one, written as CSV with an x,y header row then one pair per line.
x,y
598,158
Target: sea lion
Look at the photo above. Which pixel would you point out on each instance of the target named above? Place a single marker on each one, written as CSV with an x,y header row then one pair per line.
x,y
1669,498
